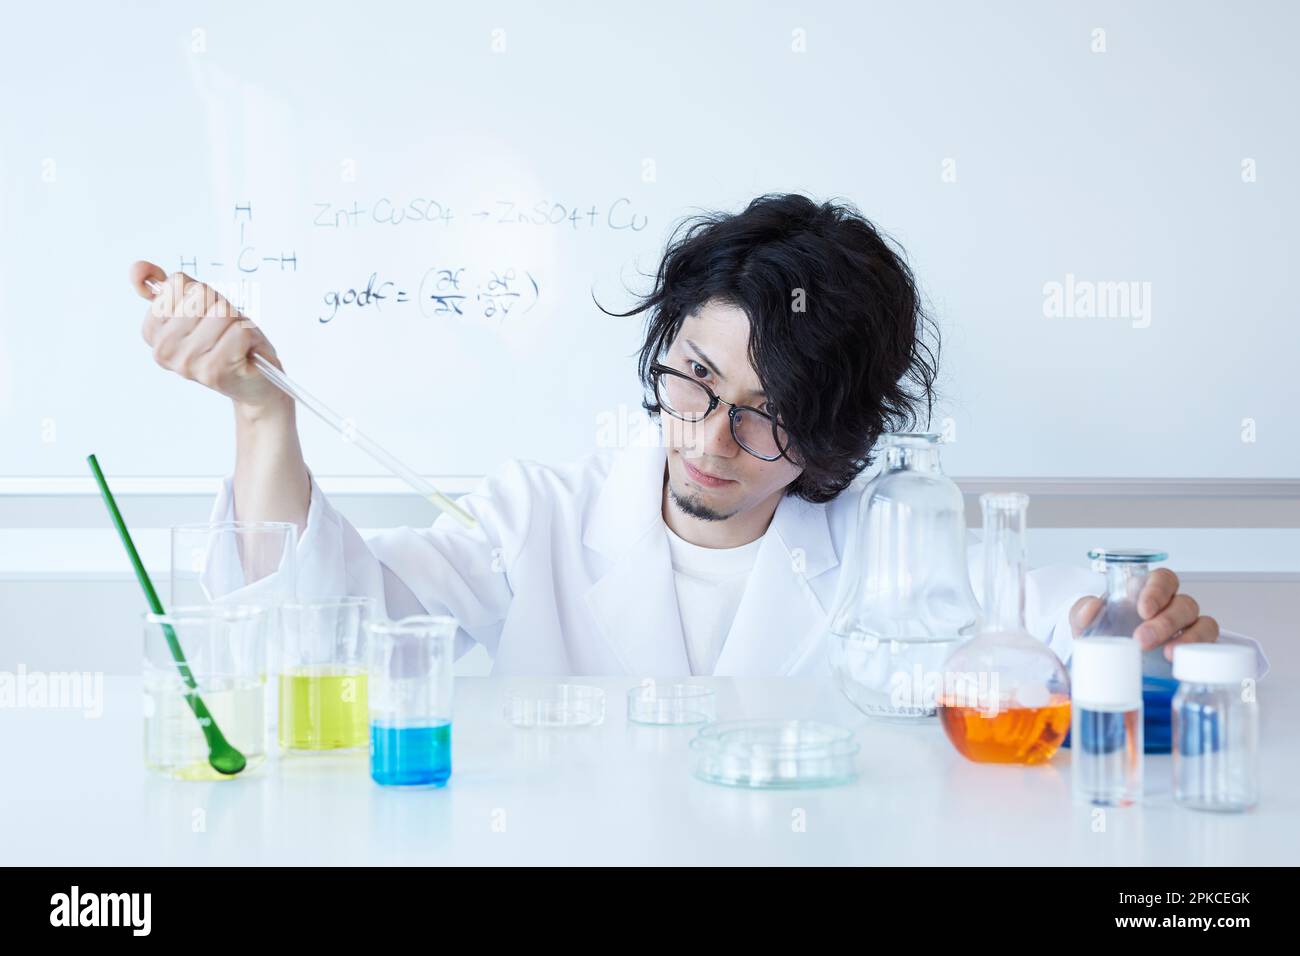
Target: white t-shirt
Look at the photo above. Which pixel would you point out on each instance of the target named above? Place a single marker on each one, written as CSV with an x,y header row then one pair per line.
x,y
710,583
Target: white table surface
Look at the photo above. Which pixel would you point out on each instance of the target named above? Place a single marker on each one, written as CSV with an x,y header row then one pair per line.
x,y
74,792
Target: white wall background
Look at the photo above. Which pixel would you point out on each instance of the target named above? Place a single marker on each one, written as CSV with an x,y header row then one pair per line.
x,y
134,130
995,141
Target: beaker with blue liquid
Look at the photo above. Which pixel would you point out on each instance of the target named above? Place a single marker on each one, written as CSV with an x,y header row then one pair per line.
x,y
410,667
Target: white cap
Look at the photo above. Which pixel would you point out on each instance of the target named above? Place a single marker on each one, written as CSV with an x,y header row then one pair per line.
x,y
1106,673
1214,663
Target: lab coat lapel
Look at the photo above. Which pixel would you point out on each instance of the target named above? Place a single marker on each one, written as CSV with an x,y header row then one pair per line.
x,y
634,602
780,618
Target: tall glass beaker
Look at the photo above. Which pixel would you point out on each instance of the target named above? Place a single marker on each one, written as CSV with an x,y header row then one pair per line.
x,y
224,649
244,562
238,562
411,663
322,675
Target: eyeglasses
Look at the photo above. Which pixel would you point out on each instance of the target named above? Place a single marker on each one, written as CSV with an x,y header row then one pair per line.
x,y
691,400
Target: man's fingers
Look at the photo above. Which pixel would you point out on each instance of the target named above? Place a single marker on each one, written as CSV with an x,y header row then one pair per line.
x,y
169,333
1181,613
1083,613
142,271
239,338
203,338
1157,592
1204,631
150,327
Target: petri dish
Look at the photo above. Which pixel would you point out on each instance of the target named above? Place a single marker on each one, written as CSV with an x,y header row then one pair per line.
x,y
774,754
674,704
557,705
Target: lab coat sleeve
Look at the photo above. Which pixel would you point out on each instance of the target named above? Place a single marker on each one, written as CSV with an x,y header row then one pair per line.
x,y
1056,588
443,569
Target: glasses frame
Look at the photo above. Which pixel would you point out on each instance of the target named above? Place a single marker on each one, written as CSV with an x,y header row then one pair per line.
x,y
658,371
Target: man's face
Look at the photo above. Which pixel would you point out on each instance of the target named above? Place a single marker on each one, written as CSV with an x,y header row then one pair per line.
x,y
713,347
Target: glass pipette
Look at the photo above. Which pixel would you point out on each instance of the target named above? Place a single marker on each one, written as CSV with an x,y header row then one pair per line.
x,y
350,433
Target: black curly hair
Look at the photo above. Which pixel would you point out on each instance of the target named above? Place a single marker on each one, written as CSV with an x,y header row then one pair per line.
x,y
851,366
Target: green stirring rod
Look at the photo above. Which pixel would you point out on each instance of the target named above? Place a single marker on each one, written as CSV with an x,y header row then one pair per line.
x,y
221,755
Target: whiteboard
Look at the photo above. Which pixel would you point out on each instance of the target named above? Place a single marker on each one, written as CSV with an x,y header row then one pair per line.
x,y
489,169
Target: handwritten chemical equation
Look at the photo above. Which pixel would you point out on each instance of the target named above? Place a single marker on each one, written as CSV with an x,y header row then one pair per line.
x,y
618,215
443,292
247,258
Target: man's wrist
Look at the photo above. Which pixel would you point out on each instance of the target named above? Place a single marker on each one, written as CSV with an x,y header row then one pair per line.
x,y
273,416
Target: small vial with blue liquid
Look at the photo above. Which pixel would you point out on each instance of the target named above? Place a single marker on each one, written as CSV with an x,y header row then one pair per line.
x,y
1106,721
410,701
1215,727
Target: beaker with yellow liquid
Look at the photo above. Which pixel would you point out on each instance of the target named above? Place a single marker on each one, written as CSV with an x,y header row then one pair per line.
x,y
323,682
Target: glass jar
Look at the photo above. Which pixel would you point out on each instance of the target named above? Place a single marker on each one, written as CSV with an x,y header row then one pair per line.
x,y
1106,722
1215,727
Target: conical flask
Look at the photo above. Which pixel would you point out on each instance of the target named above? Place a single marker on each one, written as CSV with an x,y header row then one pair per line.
x,y
905,593
1127,570
1006,695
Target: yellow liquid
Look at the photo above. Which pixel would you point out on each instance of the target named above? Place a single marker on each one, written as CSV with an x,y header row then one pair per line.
x,y
1028,735
324,708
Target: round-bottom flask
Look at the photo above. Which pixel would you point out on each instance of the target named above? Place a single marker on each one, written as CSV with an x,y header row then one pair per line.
x,y
1006,695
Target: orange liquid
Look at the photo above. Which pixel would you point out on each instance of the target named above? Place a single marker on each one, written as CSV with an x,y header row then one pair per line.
x,y
1025,735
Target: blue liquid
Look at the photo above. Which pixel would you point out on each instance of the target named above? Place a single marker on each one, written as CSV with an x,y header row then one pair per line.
x,y
410,756
1157,727
1102,731
1200,725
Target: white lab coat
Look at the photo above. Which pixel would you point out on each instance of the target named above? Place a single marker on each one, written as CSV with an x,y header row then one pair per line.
x,y
568,573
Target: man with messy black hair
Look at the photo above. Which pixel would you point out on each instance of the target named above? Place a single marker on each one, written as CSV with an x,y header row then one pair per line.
x,y
834,327
781,342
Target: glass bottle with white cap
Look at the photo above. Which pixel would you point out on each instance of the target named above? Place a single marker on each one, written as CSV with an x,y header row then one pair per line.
x,y
1215,727
1106,721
